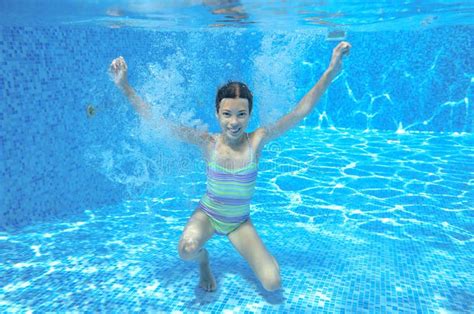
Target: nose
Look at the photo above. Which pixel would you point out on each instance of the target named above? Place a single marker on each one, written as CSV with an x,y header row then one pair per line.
x,y
234,121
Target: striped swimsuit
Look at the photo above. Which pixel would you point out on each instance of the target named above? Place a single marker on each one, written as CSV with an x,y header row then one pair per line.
x,y
228,196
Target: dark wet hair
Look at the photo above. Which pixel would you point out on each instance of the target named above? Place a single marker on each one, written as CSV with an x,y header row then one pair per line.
x,y
234,89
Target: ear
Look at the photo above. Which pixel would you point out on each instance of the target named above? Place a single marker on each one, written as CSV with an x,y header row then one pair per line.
x,y
217,115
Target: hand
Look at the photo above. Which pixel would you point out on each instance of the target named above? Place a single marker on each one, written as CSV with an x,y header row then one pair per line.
x,y
118,71
341,50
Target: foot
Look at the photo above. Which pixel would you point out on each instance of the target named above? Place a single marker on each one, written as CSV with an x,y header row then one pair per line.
x,y
207,280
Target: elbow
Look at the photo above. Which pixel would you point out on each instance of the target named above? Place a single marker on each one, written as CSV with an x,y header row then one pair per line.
x,y
145,113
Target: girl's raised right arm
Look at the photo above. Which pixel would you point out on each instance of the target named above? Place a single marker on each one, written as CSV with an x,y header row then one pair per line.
x,y
118,69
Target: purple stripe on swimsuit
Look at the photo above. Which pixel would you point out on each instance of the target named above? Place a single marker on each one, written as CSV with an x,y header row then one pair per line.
x,y
228,200
222,218
243,178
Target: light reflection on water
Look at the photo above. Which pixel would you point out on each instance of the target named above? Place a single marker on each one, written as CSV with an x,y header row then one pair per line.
x,y
283,15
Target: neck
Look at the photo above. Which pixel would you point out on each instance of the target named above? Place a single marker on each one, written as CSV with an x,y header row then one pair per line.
x,y
233,142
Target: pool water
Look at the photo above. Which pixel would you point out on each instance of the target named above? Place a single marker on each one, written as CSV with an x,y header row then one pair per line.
x,y
367,205
359,221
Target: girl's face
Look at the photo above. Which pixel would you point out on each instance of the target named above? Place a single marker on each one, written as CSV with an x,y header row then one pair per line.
x,y
233,117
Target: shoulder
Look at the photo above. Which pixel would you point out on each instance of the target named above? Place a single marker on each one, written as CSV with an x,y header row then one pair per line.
x,y
257,139
212,138
209,141
205,138
259,136
259,133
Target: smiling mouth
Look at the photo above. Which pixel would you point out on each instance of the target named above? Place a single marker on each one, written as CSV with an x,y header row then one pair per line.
x,y
235,131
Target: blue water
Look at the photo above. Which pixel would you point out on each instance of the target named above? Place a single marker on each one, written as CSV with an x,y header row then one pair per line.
x,y
366,205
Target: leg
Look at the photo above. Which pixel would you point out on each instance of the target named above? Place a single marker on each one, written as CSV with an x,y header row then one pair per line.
x,y
190,247
247,242
197,231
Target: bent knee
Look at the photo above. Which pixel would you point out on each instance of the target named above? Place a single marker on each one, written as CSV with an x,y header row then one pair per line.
x,y
271,281
188,248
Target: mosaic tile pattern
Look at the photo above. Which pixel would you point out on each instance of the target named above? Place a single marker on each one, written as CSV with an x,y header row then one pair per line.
x,y
372,222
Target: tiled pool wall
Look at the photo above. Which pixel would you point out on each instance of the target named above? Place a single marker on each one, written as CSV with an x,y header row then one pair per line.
x,y
53,76
416,81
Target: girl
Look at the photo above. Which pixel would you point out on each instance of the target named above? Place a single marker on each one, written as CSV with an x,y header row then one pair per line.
x,y
232,158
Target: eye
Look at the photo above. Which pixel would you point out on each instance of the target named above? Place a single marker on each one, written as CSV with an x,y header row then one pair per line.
x,y
226,114
242,114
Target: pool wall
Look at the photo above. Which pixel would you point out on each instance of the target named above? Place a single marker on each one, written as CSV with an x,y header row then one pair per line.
x,y
62,117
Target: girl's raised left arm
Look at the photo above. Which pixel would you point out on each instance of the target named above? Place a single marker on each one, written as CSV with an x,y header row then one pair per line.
x,y
307,103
